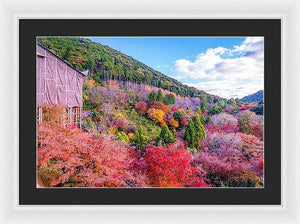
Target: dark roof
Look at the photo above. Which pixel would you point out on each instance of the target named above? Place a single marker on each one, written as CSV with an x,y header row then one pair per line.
x,y
61,59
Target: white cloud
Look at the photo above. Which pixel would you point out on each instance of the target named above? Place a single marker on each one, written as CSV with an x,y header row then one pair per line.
x,y
228,89
227,72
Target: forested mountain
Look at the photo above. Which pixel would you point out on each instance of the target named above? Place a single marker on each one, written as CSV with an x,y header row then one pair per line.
x,y
106,63
254,98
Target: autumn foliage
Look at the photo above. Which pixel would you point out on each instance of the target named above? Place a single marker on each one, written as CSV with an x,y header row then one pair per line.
x,y
128,140
141,107
72,158
170,167
156,115
160,106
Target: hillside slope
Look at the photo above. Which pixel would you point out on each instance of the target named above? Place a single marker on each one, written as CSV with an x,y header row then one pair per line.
x,y
254,98
106,63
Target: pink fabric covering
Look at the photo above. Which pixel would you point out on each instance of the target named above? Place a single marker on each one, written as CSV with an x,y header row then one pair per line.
x,y
57,82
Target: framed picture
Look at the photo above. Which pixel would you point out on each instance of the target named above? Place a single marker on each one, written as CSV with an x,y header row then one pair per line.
x,y
19,169
165,114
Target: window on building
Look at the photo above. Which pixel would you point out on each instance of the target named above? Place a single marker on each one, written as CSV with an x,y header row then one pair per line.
x,y
74,116
39,114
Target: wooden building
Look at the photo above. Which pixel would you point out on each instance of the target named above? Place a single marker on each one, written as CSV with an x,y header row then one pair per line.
x,y
58,83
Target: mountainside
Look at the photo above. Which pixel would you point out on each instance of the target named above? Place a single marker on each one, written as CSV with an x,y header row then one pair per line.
x,y
105,63
133,131
254,98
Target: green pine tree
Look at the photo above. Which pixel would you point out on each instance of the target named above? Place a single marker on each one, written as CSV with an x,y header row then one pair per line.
x,y
203,102
165,137
169,99
123,136
207,119
198,110
152,97
216,110
140,139
202,119
160,96
190,134
200,133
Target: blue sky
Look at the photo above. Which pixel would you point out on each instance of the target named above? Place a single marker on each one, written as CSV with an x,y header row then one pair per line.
x,y
225,66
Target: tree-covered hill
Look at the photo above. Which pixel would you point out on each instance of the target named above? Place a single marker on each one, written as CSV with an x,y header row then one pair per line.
x,y
105,63
254,98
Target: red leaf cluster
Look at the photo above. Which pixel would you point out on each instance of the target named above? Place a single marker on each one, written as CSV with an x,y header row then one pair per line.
x,y
160,106
170,167
141,107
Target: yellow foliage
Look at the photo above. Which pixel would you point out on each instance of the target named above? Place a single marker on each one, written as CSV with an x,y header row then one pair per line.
x,y
112,131
174,123
130,135
85,97
91,83
156,115
168,83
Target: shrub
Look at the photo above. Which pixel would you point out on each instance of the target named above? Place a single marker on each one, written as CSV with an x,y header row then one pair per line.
x,y
216,110
156,115
170,167
228,168
160,106
217,141
174,124
244,121
223,120
178,115
123,136
88,124
141,107
185,119
174,109
54,114
235,110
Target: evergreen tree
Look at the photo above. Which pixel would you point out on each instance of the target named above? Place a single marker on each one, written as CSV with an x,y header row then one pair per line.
x,y
207,119
169,99
178,115
160,96
200,133
216,110
124,137
190,134
198,110
165,137
236,109
238,101
202,119
140,139
231,101
203,102
152,97
221,104
209,99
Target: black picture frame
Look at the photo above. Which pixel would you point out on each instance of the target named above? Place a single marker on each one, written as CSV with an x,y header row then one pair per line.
x,y
29,29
